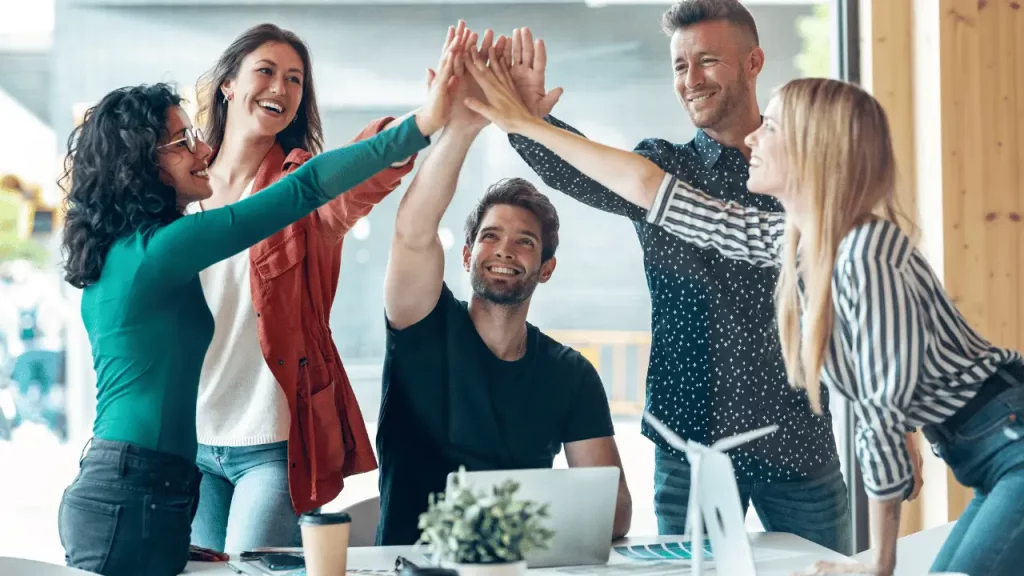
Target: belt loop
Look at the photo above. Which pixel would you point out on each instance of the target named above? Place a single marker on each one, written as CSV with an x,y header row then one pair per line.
x,y
85,449
122,459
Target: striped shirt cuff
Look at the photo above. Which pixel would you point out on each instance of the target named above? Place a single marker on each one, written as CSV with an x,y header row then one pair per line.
x,y
656,215
895,492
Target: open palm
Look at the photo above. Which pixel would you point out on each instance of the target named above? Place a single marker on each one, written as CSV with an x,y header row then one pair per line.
x,y
528,62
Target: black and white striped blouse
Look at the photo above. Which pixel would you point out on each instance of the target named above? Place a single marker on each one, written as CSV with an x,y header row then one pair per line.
x,y
900,351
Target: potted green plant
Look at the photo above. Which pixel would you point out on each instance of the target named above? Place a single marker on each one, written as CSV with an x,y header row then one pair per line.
x,y
481,533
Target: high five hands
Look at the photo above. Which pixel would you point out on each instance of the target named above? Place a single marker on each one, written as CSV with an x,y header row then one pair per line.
x,y
464,85
503,106
442,85
499,81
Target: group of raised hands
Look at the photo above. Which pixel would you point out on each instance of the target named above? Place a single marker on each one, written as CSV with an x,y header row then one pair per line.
x,y
480,80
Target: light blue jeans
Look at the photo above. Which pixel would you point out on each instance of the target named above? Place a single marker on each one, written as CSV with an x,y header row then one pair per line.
x,y
986,453
243,498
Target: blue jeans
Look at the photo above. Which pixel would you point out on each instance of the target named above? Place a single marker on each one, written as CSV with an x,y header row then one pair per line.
x,y
816,507
244,501
128,511
986,453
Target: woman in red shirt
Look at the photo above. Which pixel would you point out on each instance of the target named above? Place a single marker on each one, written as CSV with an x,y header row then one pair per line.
x,y
277,422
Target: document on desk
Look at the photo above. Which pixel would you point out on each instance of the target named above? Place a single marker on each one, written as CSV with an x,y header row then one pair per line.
x,y
663,551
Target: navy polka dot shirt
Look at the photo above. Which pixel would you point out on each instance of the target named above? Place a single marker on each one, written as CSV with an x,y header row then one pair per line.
x,y
716,367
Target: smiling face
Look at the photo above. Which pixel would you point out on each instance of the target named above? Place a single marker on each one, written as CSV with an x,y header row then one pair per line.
x,y
504,262
180,168
266,94
715,64
769,164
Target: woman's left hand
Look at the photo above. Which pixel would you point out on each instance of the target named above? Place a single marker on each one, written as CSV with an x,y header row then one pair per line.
x,y
822,568
199,554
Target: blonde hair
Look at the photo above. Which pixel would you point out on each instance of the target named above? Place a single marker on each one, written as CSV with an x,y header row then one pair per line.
x,y
842,167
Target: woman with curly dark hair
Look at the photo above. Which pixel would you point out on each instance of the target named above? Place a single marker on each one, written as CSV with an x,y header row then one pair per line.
x,y
134,165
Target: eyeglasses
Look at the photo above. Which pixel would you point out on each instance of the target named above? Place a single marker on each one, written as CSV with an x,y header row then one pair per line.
x,y
192,138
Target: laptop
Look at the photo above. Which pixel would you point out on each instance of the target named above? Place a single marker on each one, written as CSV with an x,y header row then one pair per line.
x,y
581,505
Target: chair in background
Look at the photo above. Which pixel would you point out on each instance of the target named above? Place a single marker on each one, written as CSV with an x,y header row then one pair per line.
x,y
365,516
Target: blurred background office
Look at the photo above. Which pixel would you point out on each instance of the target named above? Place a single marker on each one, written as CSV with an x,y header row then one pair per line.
x,y
57,57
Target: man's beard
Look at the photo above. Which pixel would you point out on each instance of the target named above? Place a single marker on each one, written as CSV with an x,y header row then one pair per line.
x,y
511,293
720,117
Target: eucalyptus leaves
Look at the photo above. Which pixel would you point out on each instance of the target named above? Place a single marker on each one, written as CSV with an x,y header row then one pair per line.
x,y
465,527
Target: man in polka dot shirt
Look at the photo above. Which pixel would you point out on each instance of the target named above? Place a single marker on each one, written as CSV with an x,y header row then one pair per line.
x,y
716,368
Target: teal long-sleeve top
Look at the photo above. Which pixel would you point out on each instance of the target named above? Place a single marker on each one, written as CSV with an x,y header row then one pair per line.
x,y
147,318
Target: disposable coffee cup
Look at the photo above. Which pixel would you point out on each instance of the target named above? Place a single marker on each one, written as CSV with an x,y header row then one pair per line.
x,y
325,543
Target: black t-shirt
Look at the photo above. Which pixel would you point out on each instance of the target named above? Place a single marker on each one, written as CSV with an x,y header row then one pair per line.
x,y
449,401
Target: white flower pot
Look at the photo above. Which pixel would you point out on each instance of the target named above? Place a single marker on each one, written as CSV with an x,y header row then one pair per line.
x,y
504,569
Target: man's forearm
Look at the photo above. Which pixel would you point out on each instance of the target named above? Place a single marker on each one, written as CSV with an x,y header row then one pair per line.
x,y
623,512
626,173
885,529
431,191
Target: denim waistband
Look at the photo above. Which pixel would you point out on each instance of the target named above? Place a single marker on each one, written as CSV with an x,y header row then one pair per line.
x,y
129,461
1006,377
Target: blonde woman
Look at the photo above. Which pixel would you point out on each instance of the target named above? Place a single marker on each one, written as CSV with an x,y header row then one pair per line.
x,y
877,326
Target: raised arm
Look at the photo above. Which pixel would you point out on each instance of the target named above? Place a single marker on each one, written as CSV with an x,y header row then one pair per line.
x,y
527,60
415,272
192,243
338,216
732,229
415,269
567,179
735,231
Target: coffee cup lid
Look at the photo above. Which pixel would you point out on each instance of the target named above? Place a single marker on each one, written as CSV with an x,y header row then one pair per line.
x,y
323,519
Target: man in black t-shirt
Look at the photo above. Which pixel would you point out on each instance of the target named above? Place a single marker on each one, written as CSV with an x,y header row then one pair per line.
x,y
472,383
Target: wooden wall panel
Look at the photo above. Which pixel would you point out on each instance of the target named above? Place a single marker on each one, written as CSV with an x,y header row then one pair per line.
x,y
887,72
1017,217
981,127
963,165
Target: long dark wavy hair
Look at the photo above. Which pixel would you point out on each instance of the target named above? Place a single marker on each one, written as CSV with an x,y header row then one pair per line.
x,y
112,177
305,132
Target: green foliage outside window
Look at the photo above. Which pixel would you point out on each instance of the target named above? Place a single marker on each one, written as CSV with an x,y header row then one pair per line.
x,y
815,30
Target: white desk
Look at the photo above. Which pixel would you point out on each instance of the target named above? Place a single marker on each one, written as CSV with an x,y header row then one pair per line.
x,y
916,552
776,554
